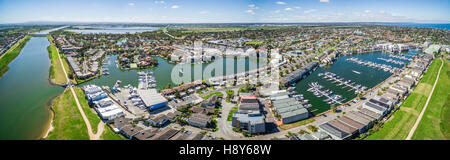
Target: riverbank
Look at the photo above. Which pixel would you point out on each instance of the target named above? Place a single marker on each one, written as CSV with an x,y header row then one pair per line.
x,y
68,124
56,76
11,54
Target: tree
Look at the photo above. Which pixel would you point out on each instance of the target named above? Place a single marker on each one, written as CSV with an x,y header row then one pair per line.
x,y
333,108
312,128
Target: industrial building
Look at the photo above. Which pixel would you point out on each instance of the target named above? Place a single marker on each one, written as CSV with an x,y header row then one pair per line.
x,y
290,110
152,99
250,122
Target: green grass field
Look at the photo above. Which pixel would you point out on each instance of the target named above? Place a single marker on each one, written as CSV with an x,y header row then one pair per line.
x,y
435,123
58,77
108,134
296,124
56,72
232,111
68,123
11,54
403,120
219,94
90,113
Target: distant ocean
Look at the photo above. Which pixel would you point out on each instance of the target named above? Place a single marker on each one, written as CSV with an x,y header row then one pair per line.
x,y
422,25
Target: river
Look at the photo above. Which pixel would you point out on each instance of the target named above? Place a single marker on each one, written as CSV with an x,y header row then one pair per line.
x,y
25,93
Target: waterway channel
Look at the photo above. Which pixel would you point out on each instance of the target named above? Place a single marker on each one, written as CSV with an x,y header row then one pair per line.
x,y
163,71
25,93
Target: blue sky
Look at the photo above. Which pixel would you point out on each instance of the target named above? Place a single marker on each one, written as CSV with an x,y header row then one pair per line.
x,y
224,11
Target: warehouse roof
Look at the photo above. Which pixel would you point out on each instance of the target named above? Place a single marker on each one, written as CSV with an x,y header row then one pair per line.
x,y
151,97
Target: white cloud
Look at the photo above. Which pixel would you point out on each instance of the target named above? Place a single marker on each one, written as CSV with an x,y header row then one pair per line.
x,y
325,1
280,3
288,9
250,11
367,11
253,6
162,2
297,7
277,11
131,4
310,10
175,7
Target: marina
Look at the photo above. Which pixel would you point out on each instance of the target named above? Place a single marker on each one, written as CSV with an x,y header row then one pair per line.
x,y
162,72
332,98
392,61
384,67
400,57
335,78
339,81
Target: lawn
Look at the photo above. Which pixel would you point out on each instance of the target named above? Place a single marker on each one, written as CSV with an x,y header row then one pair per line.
x,y
296,124
403,120
68,123
56,71
54,58
435,122
109,134
11,54
232,111
94,119
219,94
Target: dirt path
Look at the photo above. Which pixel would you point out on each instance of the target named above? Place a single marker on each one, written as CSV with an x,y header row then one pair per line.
x,y
101,125
413,129
100,128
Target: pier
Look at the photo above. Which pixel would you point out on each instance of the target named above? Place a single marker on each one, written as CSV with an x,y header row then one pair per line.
x,y
336,79
384,67
333,99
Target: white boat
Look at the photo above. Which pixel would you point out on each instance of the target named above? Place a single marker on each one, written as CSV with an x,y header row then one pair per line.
x,y
356,72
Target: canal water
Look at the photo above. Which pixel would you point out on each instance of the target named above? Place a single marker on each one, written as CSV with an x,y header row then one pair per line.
x,y
163,71
368,77
25,93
